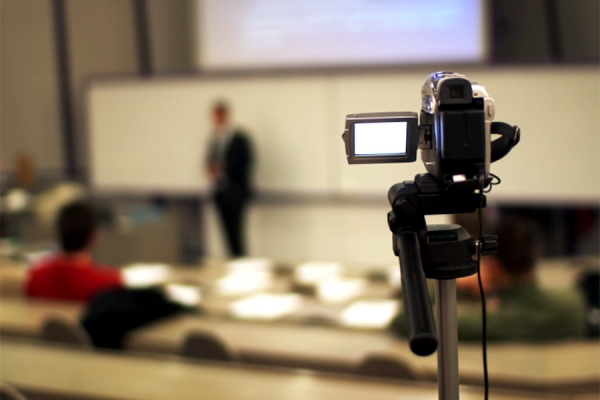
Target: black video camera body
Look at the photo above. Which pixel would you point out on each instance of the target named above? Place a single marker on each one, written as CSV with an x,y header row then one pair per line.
x,y
454,132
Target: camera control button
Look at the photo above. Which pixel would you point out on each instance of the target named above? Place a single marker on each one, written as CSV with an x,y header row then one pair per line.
x,y
491,110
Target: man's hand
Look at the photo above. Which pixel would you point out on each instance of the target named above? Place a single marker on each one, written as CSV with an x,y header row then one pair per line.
x,y
215,172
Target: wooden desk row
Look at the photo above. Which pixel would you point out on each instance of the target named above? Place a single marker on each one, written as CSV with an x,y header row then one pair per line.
x,y
552,367
566,367
551,274
60,372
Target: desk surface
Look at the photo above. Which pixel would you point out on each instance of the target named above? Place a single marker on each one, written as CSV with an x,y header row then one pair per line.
x,y
25,317
109,375
511,365
551,274
12,275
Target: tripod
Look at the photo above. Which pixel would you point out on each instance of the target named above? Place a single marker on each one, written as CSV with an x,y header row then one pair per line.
x,y
440,252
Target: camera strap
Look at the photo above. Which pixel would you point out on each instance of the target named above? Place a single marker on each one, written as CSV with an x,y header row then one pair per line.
x,y
509,137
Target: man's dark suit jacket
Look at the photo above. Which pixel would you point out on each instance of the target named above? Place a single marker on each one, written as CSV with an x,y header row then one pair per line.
x,y
237,166
233,190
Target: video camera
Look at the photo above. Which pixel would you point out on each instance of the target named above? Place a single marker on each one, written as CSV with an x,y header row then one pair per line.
x,y
454,133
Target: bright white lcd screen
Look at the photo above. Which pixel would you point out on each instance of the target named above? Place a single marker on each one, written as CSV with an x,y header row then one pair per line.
x,y
380,138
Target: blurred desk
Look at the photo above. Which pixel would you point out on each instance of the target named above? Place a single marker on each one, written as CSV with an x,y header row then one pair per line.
x,y
551,274
566,367
24,317
12,277
554,367
94,374
310,343
276,344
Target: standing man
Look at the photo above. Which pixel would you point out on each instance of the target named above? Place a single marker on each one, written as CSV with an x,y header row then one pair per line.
x,y
229,170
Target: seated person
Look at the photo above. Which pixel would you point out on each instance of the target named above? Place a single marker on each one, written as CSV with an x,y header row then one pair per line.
x,y
72,274
517,308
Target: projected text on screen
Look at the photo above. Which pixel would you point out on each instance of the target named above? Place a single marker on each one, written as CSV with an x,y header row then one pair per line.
x,y
270,34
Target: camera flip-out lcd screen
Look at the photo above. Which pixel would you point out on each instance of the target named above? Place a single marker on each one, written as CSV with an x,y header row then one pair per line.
x,y
381,137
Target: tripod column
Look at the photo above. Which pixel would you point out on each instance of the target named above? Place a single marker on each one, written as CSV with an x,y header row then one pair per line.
x,y
445,316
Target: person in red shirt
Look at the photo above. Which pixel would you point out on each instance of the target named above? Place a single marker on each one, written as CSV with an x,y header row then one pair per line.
x,y
72,274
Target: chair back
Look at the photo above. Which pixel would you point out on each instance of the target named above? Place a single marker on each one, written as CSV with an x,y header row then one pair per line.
x,y
589,282
383,366
207,346
59,330
7,392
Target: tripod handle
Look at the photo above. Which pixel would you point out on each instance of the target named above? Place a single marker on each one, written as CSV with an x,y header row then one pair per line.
x,y
417,305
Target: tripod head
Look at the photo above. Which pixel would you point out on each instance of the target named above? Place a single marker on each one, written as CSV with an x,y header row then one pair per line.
x,y
435,252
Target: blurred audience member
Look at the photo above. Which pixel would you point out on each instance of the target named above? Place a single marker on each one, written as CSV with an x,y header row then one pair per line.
x,y
72,274
517,308
25,172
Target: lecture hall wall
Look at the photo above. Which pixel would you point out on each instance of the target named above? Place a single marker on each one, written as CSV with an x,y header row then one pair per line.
x,y
353,232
